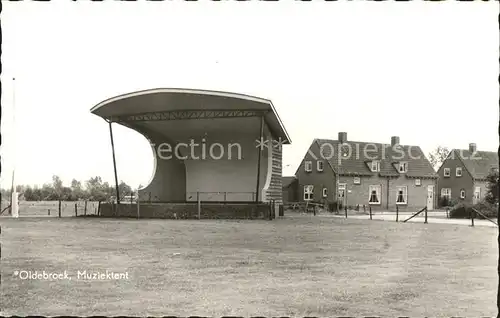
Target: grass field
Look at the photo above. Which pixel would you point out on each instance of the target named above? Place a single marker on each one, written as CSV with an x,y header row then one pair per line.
x,y
298,266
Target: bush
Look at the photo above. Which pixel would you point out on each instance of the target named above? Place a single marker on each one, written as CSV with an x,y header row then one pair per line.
x,y
464,210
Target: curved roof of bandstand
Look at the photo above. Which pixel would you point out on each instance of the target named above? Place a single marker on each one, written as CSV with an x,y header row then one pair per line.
x,y
145,110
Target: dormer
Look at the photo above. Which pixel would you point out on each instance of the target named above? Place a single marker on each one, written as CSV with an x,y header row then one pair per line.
x,y
374,165
402,166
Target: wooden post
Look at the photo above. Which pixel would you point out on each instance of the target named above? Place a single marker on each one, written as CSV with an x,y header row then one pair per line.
x,y
99,208
199,204
225,196
397,213
425,215
131,198
472,217
370,212
345,208
59,208
76,210
364,209
138,208
259,158
85,208
49,212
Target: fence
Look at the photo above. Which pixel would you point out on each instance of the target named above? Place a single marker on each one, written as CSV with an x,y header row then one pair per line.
x,y
56,208
221,196
193,210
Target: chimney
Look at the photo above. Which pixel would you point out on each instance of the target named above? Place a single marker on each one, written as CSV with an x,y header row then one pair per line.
x,y
394,141
472,147
342,137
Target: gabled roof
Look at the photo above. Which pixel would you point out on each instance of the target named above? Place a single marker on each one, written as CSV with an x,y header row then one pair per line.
x,y
479,163
286,181
362,153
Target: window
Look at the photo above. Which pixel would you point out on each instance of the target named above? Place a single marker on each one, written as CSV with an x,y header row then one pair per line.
x,y
308,166
325,192
458,172
403,167
462,194
319,165
446,172
342,186
446,193
418,182
357,180
308,192
402,195
375,166
375,193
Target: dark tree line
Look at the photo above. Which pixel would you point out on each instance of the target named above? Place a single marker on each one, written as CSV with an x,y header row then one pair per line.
x,y
93,189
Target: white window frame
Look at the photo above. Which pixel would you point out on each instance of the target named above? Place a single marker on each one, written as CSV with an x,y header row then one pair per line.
x,y
446,192
375,165
404,165
318,164
462,193
308,192
378,189
325,192
447,172
356,180
457,169
418,182
405,195
308,166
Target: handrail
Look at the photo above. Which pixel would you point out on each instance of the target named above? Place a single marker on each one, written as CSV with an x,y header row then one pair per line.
x,y
414,215
484,216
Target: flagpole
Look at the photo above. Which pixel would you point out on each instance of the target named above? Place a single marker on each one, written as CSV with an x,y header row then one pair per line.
x,y
14,208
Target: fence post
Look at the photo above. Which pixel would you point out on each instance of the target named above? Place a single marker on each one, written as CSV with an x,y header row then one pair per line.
x,y
199,204
225,197
99,208
76,209
59,208
425,215
397,213
447,215
345,209
49,212
364,209
370,207
85,208
138,207
472,212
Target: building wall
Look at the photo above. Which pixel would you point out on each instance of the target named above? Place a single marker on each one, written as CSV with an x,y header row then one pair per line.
x,y
290,192
169,178
234,176
204,172
358,194
455,183
320,180
273,186
187,211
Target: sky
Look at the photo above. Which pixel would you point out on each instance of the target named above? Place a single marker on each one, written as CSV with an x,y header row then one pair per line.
x,y
426,72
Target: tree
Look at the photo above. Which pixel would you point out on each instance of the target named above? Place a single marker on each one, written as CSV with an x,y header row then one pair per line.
x,y
438,156
124,189
77,190
57,185
492,186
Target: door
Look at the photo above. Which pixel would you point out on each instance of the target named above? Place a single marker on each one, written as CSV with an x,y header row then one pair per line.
x,y
342,194
430,197
477,195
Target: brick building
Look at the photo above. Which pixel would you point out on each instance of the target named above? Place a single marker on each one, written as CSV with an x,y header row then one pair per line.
x,y
356,173
462,176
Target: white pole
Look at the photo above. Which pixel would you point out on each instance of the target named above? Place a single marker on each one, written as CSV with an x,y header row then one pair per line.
x,y
14,203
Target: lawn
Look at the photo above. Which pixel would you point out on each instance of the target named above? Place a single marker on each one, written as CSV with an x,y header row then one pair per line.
x,y
298,266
